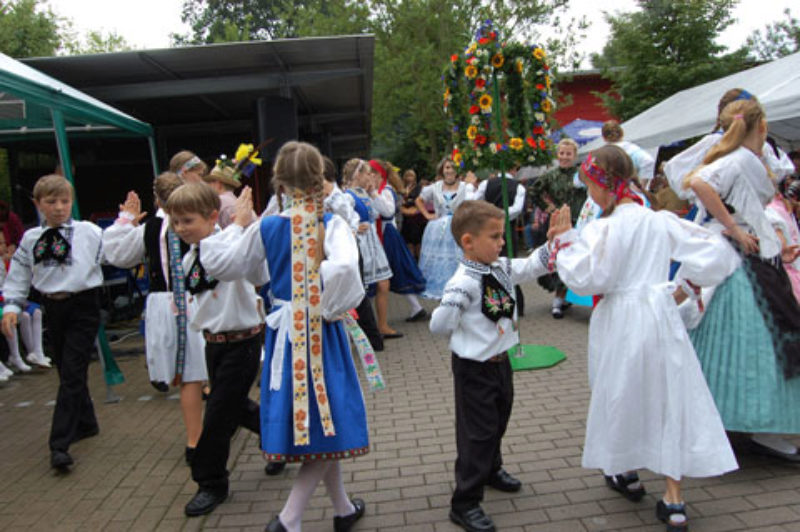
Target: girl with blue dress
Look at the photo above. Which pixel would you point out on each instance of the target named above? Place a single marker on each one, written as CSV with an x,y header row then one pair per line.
x,y
406,277
440,255
312,407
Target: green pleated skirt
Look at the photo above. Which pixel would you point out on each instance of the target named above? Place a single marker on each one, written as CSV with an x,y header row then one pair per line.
x,y
735,349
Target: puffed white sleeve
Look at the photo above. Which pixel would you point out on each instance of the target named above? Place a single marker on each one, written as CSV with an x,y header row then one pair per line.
x,y
123,243
779,162
343,289
426,194
455,300
384,203
706,258
480,192
532,267
680,165
231,254
588,262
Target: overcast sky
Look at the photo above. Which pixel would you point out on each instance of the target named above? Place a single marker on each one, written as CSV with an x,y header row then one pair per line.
x,y
148,23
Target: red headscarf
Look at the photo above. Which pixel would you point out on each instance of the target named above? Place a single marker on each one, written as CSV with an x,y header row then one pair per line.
x,y
384,180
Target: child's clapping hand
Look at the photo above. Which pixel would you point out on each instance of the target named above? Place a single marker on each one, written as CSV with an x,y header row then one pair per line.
x,y
243,208
560,222
133,206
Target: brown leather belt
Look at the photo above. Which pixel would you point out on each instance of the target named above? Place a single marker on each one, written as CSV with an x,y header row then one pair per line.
x,y
497,359
232,336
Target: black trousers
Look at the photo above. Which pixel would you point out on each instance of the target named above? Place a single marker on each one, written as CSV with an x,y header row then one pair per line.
x,y
232,368
366,317
72,324
484,394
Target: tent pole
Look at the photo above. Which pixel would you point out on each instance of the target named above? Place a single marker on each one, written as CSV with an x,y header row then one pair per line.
x,y
64,156
153,154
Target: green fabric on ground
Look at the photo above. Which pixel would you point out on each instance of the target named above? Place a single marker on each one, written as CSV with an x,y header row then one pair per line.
x,y
534,357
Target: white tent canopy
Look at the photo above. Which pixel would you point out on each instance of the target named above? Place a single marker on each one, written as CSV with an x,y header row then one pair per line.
x,y
693,112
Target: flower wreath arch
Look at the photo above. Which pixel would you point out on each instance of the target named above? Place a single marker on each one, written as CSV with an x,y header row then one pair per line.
x,y
498,99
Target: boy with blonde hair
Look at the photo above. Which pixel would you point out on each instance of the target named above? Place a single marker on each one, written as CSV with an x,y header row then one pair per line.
x,y
61,259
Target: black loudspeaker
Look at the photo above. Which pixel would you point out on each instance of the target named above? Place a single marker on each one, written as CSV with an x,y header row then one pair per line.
x,y
276,119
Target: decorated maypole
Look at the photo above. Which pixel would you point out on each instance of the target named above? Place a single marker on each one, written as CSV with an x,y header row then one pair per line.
x,y
498,99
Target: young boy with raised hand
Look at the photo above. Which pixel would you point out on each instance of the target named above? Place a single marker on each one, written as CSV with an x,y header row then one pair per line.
x,y
478,312
61,259
231,316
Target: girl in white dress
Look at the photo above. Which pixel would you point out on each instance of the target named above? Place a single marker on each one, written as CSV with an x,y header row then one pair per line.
x,y
650,405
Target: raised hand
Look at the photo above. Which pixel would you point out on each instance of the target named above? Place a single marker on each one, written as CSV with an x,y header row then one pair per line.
x,y
133,206
243,208
747,242
560,222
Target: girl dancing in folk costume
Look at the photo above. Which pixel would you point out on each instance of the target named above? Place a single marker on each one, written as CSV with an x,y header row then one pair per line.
x,y
650,405
175,352
406,277
748,341
782,213
360,184
677,168
440,255
312,408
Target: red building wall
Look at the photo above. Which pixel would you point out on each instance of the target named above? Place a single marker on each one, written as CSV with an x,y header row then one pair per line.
x,y
585,105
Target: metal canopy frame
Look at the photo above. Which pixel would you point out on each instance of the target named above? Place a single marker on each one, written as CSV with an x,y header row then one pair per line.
x,y
53,107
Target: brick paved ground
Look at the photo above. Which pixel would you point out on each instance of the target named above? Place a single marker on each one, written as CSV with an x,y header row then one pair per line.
x,y
132,476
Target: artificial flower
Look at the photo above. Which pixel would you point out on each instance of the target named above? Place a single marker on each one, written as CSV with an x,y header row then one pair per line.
x,y
471,71
538,130
474,109
516,143
542,144
493,147
480,83
546,107
480,140
472,132
498,60
520,66
538,53
531,142
454,58
486,103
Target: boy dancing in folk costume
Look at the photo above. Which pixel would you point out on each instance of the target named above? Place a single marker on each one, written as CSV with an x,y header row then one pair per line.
x,y
230,315
478,311
174,351
312,408
61,259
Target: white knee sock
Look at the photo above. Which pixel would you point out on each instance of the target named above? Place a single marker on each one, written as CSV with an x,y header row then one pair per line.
x,y
36,332
413,302
25,331
307,480
13,353
335,486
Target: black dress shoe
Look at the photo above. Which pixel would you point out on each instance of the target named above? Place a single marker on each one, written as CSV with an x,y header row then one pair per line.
x,y
161,386
393,335
346,522
504,482
83,434
274,468
472,520
275,526
419,316
60,460
204,502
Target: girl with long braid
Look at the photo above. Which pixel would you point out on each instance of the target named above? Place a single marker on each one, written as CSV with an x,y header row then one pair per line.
x,y
312,407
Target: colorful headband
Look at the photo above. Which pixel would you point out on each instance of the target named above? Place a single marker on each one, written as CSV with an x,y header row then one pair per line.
x,y
618,186
378,168
596,174
188,165
744,95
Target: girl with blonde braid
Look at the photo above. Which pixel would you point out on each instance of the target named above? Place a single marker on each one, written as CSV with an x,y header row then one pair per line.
x,y
312,407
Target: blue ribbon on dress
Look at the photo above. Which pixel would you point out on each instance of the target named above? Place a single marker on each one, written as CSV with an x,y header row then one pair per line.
x,y
179,299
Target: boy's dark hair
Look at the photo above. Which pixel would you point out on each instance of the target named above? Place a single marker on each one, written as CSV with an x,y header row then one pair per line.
x,y
471,216
328,169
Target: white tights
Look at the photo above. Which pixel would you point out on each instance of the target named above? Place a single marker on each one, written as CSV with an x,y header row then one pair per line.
x,y
31,331
307,480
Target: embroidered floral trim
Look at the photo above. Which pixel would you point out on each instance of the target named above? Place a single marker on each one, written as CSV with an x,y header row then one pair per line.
x,y
366,354
315,457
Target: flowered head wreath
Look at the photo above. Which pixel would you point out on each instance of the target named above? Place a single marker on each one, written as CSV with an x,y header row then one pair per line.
x,y
244,163
619,186
506,78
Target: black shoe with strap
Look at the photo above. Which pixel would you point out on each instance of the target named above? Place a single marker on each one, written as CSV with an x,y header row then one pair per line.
x,y
274,468
472,519
628,485
673,515
346,522
275,525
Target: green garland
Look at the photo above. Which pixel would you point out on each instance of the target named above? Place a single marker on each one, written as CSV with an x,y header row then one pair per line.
x,y
516,74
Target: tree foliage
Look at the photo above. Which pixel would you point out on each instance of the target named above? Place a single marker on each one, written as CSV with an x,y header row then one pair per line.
x,y
28,30
667,46
779,39
413,42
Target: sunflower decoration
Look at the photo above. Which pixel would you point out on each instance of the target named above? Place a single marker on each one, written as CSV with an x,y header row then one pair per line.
x,y
498,99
